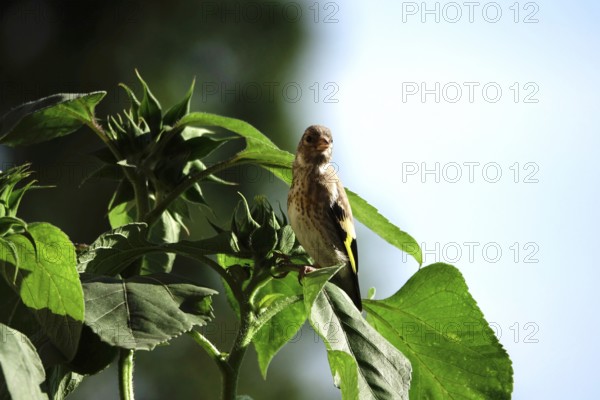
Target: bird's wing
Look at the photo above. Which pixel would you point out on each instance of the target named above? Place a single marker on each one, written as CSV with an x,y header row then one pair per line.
x,y
341,213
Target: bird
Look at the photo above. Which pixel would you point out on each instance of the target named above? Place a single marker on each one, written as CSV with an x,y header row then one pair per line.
x,y
320,213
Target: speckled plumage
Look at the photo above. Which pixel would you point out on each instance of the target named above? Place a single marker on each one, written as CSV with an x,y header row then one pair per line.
x,y
319,210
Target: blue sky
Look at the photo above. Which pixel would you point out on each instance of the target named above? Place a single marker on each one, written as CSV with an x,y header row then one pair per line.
x,y
524,239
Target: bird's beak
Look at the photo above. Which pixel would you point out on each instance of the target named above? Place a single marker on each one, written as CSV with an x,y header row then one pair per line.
x,y
323,144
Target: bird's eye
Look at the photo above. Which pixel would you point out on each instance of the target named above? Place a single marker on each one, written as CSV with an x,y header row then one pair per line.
x,y
309,139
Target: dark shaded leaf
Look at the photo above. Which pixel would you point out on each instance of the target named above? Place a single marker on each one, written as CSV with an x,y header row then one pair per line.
x,y
116,249
180,109
22,368
61,381
134,102
164,230
202,146
93,355
47,118
150,109
144,311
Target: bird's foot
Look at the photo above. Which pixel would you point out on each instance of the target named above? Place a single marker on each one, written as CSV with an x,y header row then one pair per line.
x,y
304,270
285,266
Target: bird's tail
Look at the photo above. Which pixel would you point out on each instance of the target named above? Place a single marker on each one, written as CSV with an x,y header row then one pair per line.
x,y
347,280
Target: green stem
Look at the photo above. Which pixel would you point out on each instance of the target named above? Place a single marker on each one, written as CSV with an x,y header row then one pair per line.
x,y
210,348
126,374
236,356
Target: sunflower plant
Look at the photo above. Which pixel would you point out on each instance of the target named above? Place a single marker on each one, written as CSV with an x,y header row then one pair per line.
x,y
69,311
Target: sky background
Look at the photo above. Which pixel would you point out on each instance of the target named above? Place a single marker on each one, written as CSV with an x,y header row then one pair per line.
x,y
514,202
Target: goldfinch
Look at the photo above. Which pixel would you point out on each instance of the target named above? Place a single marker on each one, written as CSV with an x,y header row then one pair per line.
x,y
319,211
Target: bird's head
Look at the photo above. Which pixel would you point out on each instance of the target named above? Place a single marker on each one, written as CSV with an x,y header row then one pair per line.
x,y
316,146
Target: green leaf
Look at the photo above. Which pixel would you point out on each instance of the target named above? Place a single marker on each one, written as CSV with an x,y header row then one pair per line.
x,y
202,146
165,230
434,321
313,284
61,381
263,240
93,355
370,217
135,103
144,311
10,196
258,147
47,282
150,109
116,249
9,223
47,118
111,172
194,195
283,305
232,263
21,366
240,127
180,109
122,214
383,372
123,194
345,373
222,243
287,239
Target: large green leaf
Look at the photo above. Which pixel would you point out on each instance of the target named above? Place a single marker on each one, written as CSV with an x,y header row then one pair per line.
x,y
345,373
47,118
281,300
259,148
383,371
22,368
372,219
144,311
46,279
116,249
434,321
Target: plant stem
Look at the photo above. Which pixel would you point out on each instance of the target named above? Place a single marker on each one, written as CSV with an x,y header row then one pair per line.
x,y
236,356
207,345
126,374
